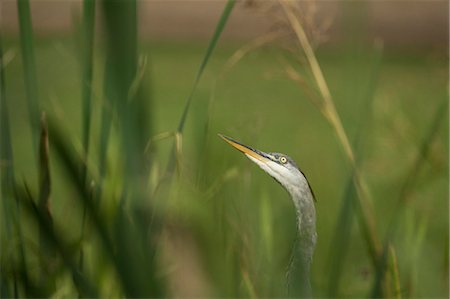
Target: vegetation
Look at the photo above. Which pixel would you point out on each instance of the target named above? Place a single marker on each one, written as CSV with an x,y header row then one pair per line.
x,y
114,183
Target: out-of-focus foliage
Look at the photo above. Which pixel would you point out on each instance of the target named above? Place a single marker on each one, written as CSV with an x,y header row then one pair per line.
x,y
222,227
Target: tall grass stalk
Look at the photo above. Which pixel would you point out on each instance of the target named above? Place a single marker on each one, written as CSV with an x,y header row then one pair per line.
x,y
341,239
163,185
121,35
134,120
211,46
43,222
71,168
132,236
29,68
6,153
405,192
88,30
237,56
6,178
329,111
393,267
87,46
416,237
107,110
10,204
419,161
46,251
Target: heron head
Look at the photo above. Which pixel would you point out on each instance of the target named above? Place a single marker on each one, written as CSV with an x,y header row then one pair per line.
x,y
279,166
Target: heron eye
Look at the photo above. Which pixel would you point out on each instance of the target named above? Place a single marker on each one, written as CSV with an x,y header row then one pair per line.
x,y
283,160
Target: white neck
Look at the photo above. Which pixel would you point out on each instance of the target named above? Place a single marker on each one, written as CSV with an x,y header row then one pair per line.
x,y
300,265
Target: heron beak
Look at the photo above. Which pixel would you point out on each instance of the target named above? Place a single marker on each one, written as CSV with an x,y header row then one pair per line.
x,y
263,157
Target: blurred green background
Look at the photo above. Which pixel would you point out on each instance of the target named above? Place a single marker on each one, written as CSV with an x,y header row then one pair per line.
x,y
219,226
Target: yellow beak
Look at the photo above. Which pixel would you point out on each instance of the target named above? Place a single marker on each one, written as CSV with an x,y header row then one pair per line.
x,y
246,149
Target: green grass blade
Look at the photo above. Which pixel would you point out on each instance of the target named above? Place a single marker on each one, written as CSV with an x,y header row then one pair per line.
x,y
46,251
163,185
29,288
44,169
119,256
424,148
393,267
108,107
5,289
417,244
87,71
130,101
6,178
86,79
11,208
343,227
6,153
29,67
135,256
212,45
328,109
340,243
71,167
45,226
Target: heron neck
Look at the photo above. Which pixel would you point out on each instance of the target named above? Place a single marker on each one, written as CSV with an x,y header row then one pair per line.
x,y
305,211
299,269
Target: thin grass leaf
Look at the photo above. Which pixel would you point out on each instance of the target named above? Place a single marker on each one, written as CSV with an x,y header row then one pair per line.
x,y
44,170
340,243
407,187
6,153
417,244
328,109
86,90
11,208
5,290
133,114
30,288
47,252
344,224
29,68
163,186
248,284
85,288
71,166
424,149
159,137
254,44
6,177
7,57
133,91
107,110
393,267
212,45
120,24
229,64
83,228
133,258
135,254
125,267
87,72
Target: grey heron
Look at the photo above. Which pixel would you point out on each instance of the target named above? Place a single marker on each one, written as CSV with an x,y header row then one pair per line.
x,y
285,171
